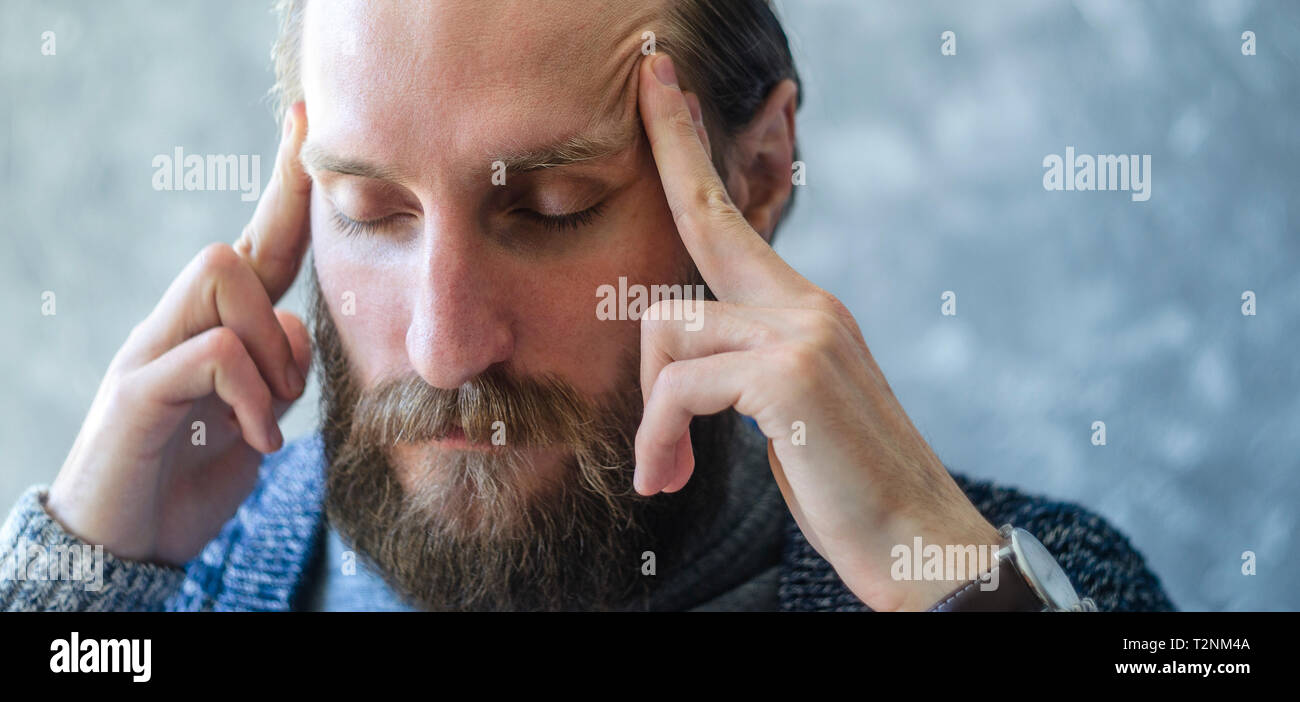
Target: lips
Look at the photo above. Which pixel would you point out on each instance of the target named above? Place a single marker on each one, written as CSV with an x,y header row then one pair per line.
x,y
454,438
453,434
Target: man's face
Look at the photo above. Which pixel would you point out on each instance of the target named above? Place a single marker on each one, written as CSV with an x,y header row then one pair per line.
x,y
463,274
463,280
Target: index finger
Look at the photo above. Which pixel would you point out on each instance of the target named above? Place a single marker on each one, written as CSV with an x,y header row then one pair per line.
x,y
735,261
277,236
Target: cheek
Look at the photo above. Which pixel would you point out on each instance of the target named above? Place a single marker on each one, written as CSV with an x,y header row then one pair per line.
x,y
362,299
560,320
557,329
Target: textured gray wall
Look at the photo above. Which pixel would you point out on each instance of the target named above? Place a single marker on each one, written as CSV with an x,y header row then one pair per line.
x,y
924,175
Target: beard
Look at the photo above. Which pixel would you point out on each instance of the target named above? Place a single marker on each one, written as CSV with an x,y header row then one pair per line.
x,y
484,529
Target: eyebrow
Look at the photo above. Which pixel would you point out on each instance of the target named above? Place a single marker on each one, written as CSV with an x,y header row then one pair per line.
x,y
574,149
566,152
315,157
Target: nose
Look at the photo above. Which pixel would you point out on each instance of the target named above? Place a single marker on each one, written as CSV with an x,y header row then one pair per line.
x,y
460,324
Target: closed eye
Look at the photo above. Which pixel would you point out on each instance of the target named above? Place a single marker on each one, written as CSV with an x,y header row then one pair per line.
x,y
566,221
561,222
351,227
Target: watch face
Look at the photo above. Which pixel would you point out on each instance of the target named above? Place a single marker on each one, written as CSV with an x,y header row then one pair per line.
x,y
1043,572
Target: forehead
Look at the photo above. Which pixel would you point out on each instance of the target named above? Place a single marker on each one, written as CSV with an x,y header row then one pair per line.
x,y
467,77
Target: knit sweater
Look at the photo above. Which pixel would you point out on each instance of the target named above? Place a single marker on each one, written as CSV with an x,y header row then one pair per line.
x,y
267,557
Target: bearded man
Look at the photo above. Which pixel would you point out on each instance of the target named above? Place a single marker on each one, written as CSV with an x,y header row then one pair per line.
x,y
468,177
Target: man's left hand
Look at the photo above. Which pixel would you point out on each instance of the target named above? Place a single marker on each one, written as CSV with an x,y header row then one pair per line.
x,y
788,354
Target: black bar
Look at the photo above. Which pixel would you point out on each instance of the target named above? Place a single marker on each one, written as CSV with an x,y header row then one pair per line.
x,y
234,651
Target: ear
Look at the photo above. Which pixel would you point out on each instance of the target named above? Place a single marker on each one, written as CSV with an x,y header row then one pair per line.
x,y
758,177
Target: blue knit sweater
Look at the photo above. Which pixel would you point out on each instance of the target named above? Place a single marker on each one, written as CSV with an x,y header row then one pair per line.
x,y
263,557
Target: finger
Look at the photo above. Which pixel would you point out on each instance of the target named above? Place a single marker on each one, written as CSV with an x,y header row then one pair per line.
x,y
684,465
215,362
683,390
734,260
222,434
675,330
219,288
277,236
300,341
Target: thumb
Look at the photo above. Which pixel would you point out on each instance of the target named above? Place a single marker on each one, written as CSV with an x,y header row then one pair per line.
x,y
277,237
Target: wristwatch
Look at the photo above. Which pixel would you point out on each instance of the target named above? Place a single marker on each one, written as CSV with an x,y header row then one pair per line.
x,y
1030,580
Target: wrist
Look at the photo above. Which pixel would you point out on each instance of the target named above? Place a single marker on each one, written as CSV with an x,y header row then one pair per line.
x,y
927,566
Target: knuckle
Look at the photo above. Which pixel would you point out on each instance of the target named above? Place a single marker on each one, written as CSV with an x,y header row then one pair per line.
x,y
713,198
656,314
670,379
137,330
217,260
710,204
818,299
122,390
838,320
798,359
247,238
222,346
134,340
822,329
826,305
834,307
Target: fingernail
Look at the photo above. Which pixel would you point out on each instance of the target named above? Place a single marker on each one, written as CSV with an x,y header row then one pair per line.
x,y
639,476
277,439
294,376
664,70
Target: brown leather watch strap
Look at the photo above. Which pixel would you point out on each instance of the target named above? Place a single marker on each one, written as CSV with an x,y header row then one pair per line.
x,y
1012,594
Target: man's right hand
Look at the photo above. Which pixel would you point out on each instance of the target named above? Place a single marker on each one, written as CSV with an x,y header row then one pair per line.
x,y
215,351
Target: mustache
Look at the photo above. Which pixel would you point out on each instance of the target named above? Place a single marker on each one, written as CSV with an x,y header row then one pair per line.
x,y
518,412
